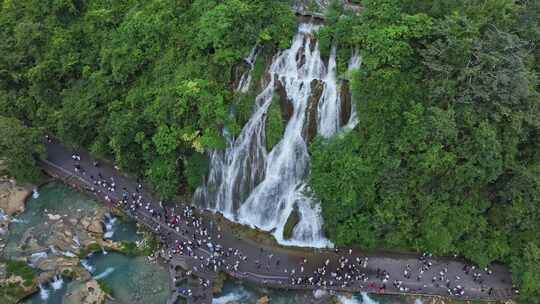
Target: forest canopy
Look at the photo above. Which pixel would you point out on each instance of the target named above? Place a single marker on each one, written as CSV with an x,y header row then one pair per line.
x,y
445,158
140,82
446,155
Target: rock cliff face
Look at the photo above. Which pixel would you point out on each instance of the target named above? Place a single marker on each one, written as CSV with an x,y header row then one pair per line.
x,y
346,103
310,128
285,103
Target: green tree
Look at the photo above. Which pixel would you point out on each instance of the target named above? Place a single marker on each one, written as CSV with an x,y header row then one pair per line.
x,y
19,145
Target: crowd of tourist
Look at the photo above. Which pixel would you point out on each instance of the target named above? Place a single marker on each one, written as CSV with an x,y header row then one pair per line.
x,y
186,234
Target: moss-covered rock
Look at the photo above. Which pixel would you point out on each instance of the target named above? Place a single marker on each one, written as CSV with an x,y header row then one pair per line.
x,y
275,126
310,127
292,221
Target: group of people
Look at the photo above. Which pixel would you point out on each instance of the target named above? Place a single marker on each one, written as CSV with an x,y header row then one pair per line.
x,y
187,234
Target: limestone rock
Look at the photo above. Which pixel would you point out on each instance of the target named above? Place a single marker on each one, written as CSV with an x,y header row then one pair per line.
x,y
87,293
12,197
95,227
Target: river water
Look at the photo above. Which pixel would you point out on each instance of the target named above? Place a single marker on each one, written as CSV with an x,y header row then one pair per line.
x,y
133,279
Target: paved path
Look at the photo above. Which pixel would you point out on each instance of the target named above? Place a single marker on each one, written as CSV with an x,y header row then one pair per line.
x,y
288,268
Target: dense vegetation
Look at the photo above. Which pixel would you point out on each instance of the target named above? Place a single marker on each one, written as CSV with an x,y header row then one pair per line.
x,y
446,157
140,82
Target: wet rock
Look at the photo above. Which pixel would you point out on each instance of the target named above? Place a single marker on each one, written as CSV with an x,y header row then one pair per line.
x,y
236,73
301,55
12,196
292,221
346,103
310,127
285,104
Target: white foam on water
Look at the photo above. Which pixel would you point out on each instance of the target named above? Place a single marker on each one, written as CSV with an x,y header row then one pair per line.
x,y
367,300
19,221
239,295
69,254
35,194
57,283
43,293
418,301
104,274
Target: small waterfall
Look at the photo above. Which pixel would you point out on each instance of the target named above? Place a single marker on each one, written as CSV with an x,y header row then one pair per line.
x,y
105,273
57,283
77,241
35,257
69,254
245,80
53,250
261,188
86,265
109,222
418,301
43,292
35,193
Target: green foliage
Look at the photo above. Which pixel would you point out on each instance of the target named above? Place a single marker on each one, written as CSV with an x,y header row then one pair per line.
x,y
445,157
275,126
19,268
105,288
196,169
18,147
142,82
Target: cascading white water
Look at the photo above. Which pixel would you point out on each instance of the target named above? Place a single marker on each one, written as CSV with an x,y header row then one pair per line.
x,y
261,188
43,292
35,193
57,283
109,222
245,80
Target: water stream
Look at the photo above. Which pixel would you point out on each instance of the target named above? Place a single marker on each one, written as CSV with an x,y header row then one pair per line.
x,y
132,279
260,188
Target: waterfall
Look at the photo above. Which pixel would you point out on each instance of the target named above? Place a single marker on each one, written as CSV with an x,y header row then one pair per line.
x,y
109,226
57,283
43,292
245,80
35,193
87,266
261,188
